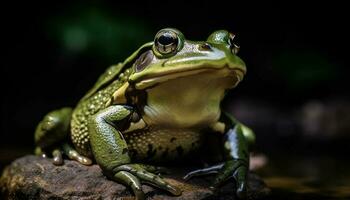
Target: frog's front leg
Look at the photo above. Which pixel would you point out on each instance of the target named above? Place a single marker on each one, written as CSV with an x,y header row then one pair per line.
x,y
235,148
111,151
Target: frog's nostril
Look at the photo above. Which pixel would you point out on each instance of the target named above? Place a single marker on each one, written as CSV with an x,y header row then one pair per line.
x,y
234,47
205,47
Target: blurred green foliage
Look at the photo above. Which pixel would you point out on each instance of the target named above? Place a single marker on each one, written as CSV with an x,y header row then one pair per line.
x,y
95,31
304,69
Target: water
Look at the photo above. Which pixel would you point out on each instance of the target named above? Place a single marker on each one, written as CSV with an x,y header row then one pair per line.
x,y
307,177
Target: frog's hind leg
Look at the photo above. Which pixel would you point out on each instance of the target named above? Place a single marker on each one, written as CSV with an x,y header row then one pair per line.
x,y
53,128
52,131
51,135
235,142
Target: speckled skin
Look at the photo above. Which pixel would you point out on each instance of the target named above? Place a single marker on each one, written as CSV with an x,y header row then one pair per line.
x,y
162,144
87,107
161,104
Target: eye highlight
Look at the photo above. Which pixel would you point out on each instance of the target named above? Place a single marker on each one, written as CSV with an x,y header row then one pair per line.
x,y
166,42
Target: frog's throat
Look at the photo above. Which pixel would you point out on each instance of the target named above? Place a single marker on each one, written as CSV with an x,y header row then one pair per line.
x,y
152,81
190,100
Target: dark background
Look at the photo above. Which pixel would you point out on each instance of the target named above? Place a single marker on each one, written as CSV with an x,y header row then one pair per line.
x,y
295,95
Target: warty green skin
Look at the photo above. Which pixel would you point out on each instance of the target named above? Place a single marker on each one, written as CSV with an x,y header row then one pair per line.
x,y
156,107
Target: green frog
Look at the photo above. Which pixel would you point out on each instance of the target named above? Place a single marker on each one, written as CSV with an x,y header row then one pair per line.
x,y
161,104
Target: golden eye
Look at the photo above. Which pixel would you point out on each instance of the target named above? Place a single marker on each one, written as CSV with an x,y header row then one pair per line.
x,y
166,42
233,46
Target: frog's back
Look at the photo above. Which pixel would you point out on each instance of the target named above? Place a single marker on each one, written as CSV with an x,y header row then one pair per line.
x,y
98,98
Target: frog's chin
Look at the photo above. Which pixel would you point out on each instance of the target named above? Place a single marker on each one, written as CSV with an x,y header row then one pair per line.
x,y
237,74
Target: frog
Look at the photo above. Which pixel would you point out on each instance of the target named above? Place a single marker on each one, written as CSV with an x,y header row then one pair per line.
x,y
161,104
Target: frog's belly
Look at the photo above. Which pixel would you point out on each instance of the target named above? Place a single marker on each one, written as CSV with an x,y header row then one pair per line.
x,y
155,144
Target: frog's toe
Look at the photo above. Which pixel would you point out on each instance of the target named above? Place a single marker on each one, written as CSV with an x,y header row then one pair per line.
x,y
155,169
201,172
74,155
140,171
57,157
127,178
241,182
39,152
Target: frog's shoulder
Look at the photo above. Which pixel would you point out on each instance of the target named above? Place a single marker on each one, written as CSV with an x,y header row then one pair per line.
x,y
113,71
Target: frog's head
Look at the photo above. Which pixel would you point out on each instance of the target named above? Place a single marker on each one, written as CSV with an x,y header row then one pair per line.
x,y
170,56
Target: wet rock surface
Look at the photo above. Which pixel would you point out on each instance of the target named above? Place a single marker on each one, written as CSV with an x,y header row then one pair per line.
x,y
32,177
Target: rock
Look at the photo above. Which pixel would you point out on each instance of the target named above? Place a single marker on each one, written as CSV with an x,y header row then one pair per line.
x,y
32,177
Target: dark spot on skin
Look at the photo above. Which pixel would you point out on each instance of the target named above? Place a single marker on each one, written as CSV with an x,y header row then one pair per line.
x,y
163,64
172,139
160,147
192,144
125,150
179,150
165,153
133,152
151,152
136,97
245,154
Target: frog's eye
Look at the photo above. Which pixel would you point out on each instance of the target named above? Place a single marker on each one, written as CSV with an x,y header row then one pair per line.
x,y
166,41
233,46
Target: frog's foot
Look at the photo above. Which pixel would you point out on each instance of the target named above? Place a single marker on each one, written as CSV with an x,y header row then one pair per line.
x,y
66,149
236,169
56,155
74,155
134,175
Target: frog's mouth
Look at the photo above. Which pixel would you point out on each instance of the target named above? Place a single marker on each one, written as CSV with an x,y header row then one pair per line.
x,y
159,78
